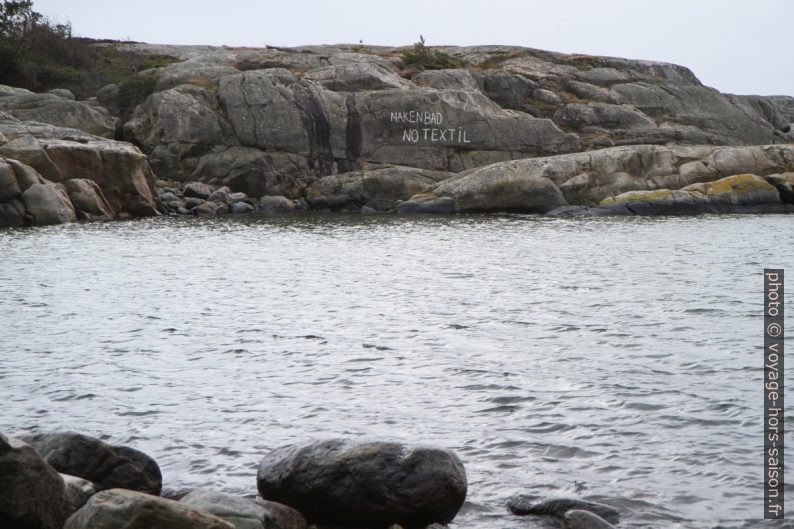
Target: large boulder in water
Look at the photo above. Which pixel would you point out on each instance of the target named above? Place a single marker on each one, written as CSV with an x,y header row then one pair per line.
x,y
365,483
32,494
94,460
126,509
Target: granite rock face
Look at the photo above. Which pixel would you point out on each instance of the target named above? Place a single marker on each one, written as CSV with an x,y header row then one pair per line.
x,y
314,123
273,121
371,484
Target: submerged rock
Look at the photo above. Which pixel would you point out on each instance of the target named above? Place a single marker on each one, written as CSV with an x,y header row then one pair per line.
x,y
33,494
105,465
375,483
579,519
523,505
127,509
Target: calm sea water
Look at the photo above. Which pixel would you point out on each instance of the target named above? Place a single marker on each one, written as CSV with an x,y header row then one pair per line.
x,y
616,360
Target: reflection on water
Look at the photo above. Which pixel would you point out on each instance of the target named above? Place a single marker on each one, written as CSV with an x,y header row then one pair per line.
x,y
617,360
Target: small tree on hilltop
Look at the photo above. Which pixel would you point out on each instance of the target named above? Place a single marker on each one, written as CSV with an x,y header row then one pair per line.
x,y
423,58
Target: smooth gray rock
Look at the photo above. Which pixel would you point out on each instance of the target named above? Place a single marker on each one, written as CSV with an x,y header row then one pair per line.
x,y
239,197
451,79
204,210
127,509
12,213
219,197
357,76
192,202
88,200
78,491
379,189
244,513
501,187
374,483
271,204
105,465
524,505
48,203
33,494
432,205
62,93
241,208
198,190
60,111
579,519
255,172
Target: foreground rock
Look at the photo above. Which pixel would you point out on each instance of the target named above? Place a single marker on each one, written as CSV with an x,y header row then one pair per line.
x,y
524,505
539,185
33,494
96,461
243,513
126,509
373,483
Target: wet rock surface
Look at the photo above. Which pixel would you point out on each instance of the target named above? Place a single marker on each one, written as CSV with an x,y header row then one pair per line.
x,y
33,494
105,465
375,483
524,505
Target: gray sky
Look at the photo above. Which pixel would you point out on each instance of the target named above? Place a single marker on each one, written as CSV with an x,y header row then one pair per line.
x,y
742,47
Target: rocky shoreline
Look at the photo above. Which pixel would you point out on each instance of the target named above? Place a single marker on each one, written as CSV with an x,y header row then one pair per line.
x,y
66,480
359,129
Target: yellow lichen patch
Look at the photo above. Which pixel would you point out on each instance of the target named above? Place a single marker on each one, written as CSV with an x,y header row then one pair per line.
x,y
657,195
742,189
739,184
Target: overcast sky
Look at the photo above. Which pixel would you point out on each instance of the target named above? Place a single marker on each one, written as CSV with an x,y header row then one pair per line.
x,y
742,47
